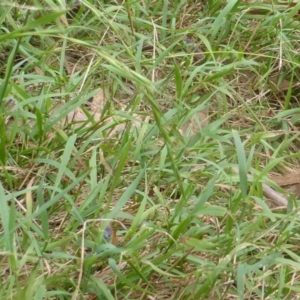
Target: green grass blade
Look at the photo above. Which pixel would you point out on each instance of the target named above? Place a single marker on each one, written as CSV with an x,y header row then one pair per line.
x,y
242,163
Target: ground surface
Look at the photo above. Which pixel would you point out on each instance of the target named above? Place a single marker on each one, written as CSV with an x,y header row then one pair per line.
x,y
121,123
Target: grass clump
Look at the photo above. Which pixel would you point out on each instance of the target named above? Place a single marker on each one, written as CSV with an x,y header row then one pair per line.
x,y
120,126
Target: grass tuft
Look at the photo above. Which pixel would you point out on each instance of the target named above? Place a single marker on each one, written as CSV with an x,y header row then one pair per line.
x,y
120,127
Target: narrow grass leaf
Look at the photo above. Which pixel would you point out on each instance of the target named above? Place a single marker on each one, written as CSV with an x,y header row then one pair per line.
x,y
286,113
190,80
219,21
138,240
9,68
242,162
178,82
46,18
290,16
212,210
39,121
207,45
4,213
160,271
2,139
124,150
141,273
180,229
266,262
59,195
29,201
205,195
240,280
65,159
265,208
130,190
44,214
138,217
157,116
55,164
63,241
102,287
220,73
93,169
165,15
123,278
200,245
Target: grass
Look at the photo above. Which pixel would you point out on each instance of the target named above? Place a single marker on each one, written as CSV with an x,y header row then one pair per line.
x,y
184,226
